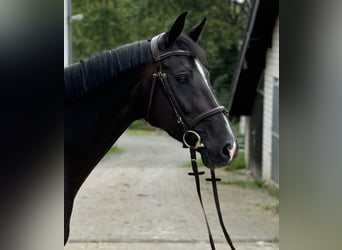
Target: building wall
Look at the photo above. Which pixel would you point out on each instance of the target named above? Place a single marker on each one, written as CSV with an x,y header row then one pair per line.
x,y
247,131
271,78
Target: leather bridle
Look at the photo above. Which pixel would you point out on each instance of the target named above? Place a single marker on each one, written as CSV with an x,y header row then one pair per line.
x,y
163,78
191,139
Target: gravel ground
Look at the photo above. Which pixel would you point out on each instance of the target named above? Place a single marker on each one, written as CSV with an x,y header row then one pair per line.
x,y
143,198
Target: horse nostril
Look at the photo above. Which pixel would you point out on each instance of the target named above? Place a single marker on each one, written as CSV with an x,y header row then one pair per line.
x,y
226,150
230,150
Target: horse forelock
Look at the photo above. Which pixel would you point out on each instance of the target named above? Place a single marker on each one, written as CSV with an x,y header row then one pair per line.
x,y
186,43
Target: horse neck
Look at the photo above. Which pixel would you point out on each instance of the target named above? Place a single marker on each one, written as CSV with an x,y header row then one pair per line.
x,y
121,101
97,120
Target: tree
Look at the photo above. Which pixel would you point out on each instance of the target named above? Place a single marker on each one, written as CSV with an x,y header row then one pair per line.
x,y
108,24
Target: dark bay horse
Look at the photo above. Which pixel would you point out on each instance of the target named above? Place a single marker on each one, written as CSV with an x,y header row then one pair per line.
x,y
162,80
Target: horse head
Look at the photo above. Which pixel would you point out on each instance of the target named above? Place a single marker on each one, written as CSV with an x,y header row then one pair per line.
x,y
181,99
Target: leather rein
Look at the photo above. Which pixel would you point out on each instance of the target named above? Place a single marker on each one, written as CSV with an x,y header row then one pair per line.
x,y
187,132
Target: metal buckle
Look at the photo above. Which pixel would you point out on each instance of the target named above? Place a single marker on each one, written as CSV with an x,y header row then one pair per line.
x,y
191,139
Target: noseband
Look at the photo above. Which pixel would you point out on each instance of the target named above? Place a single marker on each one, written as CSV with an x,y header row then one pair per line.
x,y
191,139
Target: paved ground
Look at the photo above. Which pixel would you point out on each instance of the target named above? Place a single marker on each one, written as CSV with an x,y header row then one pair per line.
x,y
144,199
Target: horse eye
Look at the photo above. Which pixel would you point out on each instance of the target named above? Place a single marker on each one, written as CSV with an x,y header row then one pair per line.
x,y
182,79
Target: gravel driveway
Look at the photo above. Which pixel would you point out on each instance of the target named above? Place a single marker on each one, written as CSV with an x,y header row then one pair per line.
x,y
143,198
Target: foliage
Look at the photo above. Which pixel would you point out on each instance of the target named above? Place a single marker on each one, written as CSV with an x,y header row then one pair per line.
x,y
108,24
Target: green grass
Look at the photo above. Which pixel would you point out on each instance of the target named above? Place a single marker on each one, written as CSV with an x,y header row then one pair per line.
x,y
272,208
243,183
271,190
115,150
238,163
138,132
141,127
140,124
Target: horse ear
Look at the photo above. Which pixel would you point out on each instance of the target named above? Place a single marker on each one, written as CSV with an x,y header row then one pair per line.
x,y
195,33
176,29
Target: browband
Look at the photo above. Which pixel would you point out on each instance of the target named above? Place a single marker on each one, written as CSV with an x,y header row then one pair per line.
x,y
156,54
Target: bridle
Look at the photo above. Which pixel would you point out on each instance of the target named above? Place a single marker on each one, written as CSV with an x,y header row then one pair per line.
x,y
185,122
191,139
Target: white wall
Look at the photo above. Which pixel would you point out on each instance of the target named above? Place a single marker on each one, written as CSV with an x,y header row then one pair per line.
x,y
271,73
247,131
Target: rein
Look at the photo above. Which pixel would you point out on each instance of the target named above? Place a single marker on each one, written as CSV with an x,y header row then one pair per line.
x,y
191,139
